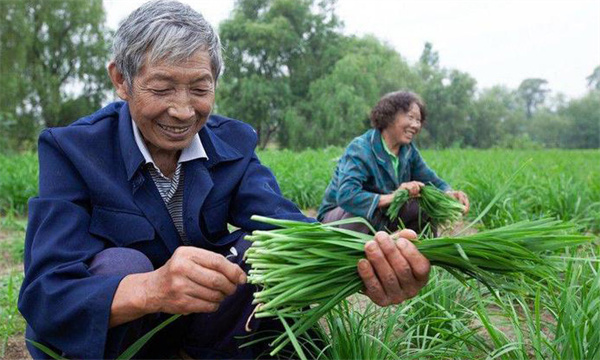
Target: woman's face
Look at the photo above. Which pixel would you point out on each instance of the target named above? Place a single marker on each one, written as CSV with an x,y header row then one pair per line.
x,y
406,125
171,102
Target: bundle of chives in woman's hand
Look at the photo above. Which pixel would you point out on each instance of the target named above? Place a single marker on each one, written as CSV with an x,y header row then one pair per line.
x,y
440,207
400,197
306,269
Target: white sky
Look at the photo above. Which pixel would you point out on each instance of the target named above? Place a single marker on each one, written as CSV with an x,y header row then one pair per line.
x,y
498,42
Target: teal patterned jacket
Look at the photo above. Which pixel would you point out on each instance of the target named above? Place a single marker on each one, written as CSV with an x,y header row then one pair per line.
x,y
365,172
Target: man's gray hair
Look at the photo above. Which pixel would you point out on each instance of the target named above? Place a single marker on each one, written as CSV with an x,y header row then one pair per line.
x,y
164,30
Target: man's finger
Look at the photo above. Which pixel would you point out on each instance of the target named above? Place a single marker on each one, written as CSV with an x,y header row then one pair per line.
x,y
419,264
213,280
373,288
404,275
217,262
385,273
405,233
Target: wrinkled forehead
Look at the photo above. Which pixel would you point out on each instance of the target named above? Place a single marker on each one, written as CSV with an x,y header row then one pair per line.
x,y
176,56
197,64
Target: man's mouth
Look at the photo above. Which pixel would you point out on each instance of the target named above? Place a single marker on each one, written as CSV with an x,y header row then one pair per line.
x,y
175,129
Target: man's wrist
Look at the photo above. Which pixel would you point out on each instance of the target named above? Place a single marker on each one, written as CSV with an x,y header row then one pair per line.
x,y
140,298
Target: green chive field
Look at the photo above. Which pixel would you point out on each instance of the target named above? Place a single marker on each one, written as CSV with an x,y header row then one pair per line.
x,y
554,319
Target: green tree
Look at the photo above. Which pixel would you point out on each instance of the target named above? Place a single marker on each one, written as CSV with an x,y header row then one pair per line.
x,y
274,50
594,79
533,92
488,114
549,128
339,103
53,52
583,117
429,62
449,96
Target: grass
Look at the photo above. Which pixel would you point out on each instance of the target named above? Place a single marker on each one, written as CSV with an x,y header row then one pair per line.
x,y
557,183
18,182
12,235
447,319
12,323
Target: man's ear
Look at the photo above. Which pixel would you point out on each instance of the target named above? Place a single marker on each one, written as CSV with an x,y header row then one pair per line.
x,y
118,80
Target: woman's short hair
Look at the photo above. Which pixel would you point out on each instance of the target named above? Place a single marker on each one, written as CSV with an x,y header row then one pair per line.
x,y
384,113
164,30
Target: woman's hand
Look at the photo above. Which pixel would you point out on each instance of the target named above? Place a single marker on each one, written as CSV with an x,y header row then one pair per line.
x,y
413,187
385,200
461,197
394,270
193,280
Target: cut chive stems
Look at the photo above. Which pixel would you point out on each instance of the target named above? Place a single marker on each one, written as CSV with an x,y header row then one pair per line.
x,y
307,269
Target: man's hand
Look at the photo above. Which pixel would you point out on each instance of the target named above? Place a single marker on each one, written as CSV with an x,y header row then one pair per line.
x,y
194,280
413,187
461,197
394,270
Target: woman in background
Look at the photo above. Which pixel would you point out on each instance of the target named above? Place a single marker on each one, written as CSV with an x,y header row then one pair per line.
x,y
380,161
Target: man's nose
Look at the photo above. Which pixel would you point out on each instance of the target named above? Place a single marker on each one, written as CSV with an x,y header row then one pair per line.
x,y
182,107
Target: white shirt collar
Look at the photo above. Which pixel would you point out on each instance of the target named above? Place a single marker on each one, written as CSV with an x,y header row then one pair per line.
x,y
193,151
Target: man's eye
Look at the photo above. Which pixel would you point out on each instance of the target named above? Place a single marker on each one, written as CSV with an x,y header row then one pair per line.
x,y
199,91
160,91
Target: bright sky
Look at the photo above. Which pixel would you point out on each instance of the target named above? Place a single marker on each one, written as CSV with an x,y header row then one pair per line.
x,y
498,42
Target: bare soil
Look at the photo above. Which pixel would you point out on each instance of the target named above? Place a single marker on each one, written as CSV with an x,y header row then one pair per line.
x,y
15,348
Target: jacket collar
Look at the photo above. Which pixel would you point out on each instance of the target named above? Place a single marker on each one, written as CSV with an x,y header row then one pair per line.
x,y
377,147
216,149
381,155
132,156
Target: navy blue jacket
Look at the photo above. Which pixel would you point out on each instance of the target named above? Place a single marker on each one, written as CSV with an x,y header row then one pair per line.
x,y
94,194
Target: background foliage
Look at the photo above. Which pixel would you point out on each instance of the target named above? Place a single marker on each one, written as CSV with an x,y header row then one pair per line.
x,y
560,183
52,66
291,72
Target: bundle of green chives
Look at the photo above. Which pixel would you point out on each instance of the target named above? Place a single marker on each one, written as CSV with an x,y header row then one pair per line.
x,y
306,269
440,207
400,197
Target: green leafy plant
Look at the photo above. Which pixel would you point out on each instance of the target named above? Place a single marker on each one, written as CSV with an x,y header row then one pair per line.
x,y
441,208
305,269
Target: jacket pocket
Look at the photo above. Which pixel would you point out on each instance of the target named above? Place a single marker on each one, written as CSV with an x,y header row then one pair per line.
x,y
121,228
214,221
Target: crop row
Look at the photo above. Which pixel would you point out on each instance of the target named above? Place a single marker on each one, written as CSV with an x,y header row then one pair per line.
x,y
559,183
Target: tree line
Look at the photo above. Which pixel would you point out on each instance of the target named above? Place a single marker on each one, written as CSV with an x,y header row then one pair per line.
x,y
290,72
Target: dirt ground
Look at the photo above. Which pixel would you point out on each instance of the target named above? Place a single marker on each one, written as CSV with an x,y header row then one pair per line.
x,y
15,345
15,349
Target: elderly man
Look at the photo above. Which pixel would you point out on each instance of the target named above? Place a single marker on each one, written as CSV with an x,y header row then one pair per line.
x,y
131,220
